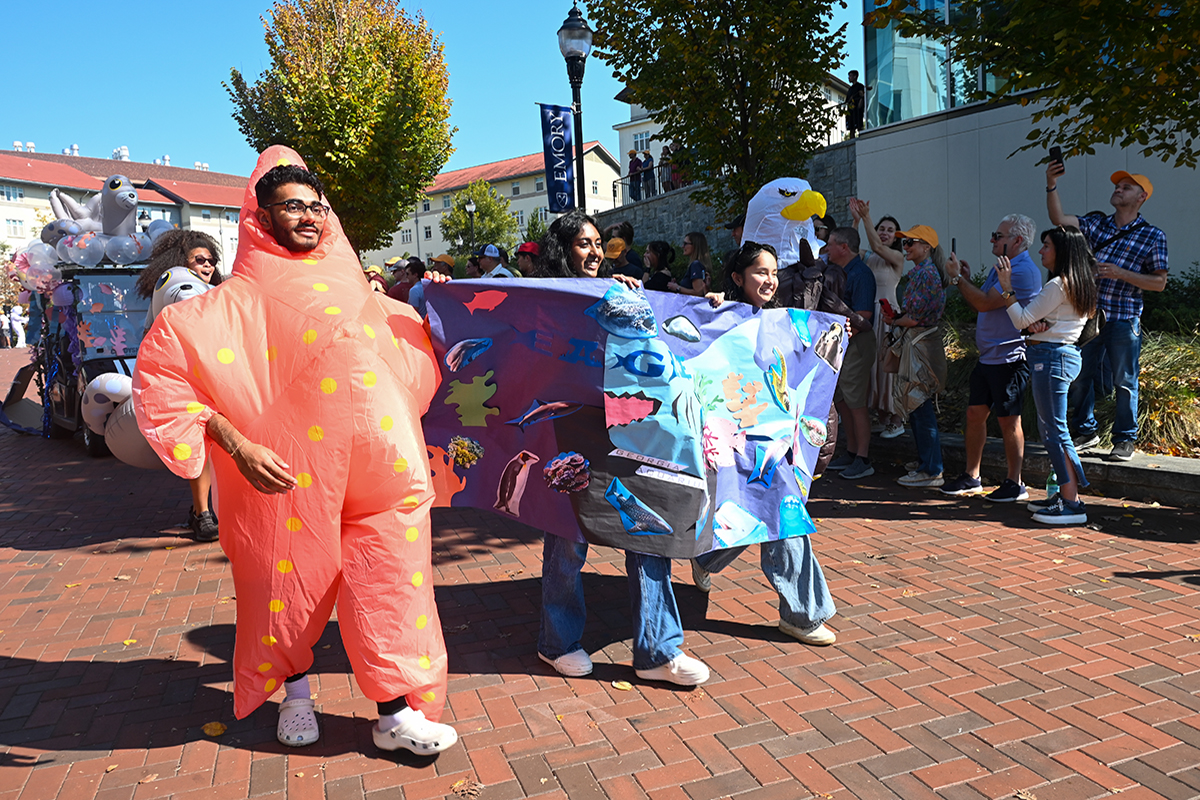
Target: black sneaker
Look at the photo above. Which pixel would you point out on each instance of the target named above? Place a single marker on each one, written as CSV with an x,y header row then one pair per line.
x,y
1085,441
1121,451
1062,513
1008,492
1042,505
203,525
841,462
963,485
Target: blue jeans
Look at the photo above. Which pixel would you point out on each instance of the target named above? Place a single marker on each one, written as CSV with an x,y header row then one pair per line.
x,y
925,432
792,569
657,630
1053,367
1120,340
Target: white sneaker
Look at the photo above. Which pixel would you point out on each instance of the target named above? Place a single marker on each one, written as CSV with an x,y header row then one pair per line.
x,y
701,577
297,723
892,432
682,670
921,480
574,664
415,734
819,636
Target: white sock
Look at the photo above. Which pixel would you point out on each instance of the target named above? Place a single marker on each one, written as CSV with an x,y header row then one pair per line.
x,y
389,721
297,690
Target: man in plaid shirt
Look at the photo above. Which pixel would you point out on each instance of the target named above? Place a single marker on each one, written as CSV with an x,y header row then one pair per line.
x,y
1132,258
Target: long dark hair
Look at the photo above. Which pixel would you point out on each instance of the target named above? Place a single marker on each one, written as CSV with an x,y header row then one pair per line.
x,y
553,260
664,254
747,255
895,239
1075,264
171,250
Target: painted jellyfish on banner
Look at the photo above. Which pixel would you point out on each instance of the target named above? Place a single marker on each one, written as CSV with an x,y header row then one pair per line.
x,y
644,421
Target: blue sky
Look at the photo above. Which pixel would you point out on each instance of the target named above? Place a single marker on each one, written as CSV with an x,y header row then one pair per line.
x,y
150,78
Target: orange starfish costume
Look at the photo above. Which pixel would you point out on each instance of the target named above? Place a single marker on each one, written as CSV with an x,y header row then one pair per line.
x,y
301,356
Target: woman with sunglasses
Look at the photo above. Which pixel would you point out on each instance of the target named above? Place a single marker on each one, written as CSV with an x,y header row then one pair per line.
x,y
572,248
886,261
1065,303
198,252
695,280
924,302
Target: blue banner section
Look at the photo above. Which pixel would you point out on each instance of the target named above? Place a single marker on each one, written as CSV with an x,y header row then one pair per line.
x,y
560,168
647,421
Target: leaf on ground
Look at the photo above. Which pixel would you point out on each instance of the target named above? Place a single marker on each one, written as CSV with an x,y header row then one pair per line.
x,y
123,578
623,686
72,585
1063,536
1195,637
128,642
299,774
909,593
110,767
1025,794
1060,561
156,591
855,561
466,788
214,728
149,778
1076,591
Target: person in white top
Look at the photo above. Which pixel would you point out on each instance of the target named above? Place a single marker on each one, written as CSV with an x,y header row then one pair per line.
x,y
1058,314
17,321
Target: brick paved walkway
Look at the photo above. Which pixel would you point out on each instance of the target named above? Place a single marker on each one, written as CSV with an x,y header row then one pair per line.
x,y
978,656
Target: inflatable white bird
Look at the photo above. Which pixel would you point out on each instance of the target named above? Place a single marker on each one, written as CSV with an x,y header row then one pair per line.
x,y
780,215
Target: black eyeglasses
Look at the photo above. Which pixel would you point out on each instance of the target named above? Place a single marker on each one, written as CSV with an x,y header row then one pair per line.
x,y
998,235
202,260
910,242
296,208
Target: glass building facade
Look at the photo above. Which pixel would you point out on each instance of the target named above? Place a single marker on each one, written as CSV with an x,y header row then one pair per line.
x,y
915,76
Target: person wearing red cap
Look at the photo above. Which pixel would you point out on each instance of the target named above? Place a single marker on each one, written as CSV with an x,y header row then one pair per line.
x,y
527,254
1132,259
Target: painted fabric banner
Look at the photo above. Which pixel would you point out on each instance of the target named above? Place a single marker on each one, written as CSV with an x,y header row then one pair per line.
x,y
559,156
647,421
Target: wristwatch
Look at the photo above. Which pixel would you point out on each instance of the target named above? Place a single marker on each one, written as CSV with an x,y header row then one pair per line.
x,y
1008,294
954,281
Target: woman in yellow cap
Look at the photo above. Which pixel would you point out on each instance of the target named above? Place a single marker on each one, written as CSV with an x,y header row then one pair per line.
x,y
923,360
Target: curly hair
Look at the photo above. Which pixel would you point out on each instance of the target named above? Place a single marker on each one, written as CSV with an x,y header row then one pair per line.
x,y
171,250
282,175
743,260
553,252
1076,265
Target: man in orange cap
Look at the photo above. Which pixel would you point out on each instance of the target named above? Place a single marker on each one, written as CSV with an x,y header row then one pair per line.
x,y
1132,256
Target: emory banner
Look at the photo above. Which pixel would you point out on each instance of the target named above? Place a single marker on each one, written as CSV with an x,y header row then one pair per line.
x,y
647,421
560,169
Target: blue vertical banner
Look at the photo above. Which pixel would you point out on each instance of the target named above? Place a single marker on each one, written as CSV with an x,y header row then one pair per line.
x,y
560,168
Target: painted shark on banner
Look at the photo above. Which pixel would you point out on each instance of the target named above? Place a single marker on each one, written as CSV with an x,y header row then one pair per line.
x,y
647,421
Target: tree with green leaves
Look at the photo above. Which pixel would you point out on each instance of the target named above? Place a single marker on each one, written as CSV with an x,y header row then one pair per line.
x,y
494,222
535,229
738,83
1114,73
358,88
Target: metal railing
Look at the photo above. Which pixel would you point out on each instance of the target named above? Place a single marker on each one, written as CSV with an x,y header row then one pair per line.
x,y
644,185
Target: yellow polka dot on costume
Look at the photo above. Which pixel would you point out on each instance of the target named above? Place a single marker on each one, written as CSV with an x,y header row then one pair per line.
x,y
269,640
369,379
182,451
270,684
429,697
412,534
225,355
316,433
321,287
284,566
400,464
396,342
328,385
265,666
294,524
367,329
410,502
272,354
333,311
276,606
418,579
422,621
309,336
194,407
423,662
309,261
283,162
303,480
386,423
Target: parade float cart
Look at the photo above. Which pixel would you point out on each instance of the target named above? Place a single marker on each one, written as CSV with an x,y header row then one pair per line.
x,y
93,328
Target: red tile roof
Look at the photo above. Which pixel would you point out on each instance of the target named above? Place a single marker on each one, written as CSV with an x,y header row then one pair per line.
x,y
138,172
497,170
201,193
17,167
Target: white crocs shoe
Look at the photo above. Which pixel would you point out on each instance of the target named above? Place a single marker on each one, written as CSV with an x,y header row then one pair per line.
x,y
415,734
297,723
574,664
682,670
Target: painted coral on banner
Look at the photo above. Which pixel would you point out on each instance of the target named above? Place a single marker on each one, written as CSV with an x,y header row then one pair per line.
x,y
647,421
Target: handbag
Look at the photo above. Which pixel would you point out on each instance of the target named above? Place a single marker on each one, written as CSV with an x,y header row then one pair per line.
x,y
1091,328
889,359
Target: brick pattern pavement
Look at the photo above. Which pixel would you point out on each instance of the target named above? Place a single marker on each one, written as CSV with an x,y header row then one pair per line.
x,y
978,656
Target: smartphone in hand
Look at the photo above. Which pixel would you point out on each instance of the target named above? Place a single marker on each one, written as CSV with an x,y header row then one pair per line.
x,y
953,245
887,307
1056,154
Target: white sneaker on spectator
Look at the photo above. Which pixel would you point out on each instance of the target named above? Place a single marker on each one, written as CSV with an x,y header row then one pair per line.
x,y
574,664
682,670
921,480
892,432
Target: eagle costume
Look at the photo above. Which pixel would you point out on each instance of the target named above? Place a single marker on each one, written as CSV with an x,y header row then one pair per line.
x,y
298,353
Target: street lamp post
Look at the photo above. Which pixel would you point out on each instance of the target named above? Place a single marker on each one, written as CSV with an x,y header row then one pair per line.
x,y
575,43
470,208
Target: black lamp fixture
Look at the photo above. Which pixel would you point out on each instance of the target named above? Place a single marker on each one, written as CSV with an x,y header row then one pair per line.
x,y
143,220
575,43
470,209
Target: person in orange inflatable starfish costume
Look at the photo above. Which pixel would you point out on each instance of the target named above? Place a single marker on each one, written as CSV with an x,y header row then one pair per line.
x,y
312,388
